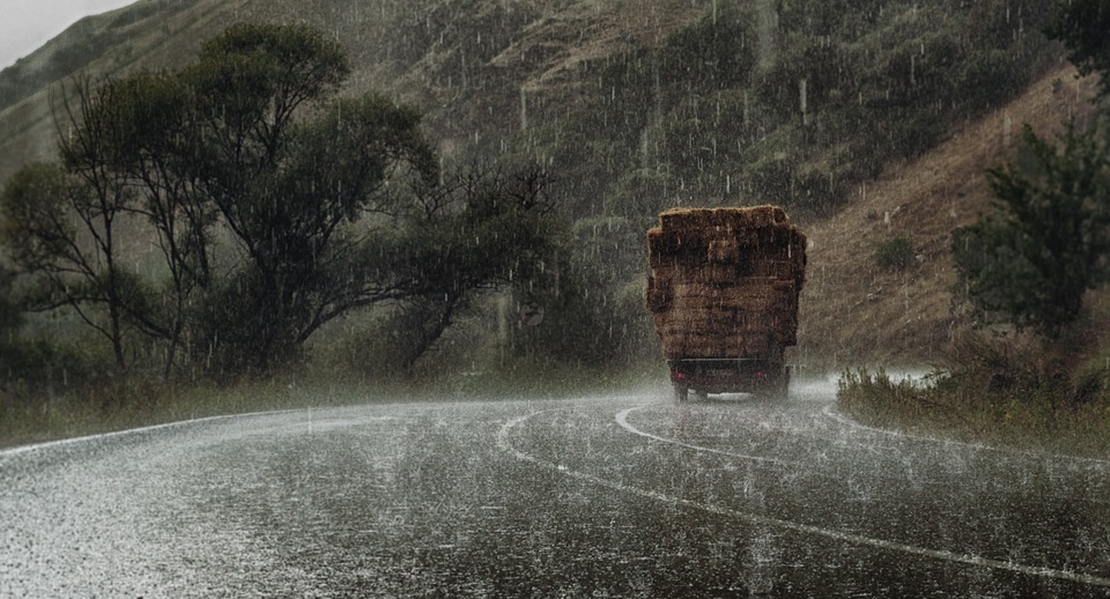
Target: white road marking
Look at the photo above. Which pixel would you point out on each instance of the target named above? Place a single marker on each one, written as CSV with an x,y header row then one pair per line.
x,y
839,535
22,449
622,420
48,445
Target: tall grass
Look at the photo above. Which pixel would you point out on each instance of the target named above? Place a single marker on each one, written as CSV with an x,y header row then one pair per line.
x,y
1004,393
93,410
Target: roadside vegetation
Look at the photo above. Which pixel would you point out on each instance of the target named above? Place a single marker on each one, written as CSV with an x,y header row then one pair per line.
x,y
79,409
1001,396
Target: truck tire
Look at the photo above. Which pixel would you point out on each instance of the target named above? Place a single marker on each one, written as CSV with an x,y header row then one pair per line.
x,y
777,387
681,392
781,387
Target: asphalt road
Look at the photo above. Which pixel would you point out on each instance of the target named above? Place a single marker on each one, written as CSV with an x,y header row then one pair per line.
x,y
615,496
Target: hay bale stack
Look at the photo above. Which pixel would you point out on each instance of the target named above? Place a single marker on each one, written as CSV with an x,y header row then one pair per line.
x,y
725,281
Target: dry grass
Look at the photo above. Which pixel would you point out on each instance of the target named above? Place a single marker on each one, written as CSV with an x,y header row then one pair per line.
x,y
1028,413
855,313
573,33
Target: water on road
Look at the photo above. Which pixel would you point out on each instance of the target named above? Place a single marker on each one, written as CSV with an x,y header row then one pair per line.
x,y
614,496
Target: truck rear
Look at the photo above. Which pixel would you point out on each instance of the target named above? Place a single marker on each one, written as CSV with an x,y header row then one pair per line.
x,y
723,293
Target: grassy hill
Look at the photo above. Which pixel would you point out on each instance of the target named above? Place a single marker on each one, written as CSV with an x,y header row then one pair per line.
x,y
639,105
856,312
429,53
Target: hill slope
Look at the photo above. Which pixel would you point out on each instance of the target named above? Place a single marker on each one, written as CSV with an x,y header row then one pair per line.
x,y
853,312
484,67
461,62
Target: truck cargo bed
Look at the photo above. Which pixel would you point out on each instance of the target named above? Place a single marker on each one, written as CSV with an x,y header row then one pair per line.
x,y
723,293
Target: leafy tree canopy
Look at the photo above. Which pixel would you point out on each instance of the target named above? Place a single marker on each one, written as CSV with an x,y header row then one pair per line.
x,y
1084,28
275,206
1032,262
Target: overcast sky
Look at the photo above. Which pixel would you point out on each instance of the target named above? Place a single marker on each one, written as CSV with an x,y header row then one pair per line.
x,y
25,25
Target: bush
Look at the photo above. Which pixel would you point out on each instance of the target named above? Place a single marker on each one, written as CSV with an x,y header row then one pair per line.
x,y
896,254
877,400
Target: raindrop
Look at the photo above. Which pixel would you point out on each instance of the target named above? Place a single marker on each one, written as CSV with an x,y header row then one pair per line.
x,y
523,109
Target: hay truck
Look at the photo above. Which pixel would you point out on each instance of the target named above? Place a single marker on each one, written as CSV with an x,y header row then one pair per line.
x,y
723,294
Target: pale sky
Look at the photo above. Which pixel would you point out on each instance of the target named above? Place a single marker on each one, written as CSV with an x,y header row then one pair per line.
x,y
25,25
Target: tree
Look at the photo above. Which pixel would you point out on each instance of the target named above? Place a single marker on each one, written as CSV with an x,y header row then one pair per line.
x,y
64,228
285,188
1082,25
134,132
275,206
301,217
219,142
480,229
1032,262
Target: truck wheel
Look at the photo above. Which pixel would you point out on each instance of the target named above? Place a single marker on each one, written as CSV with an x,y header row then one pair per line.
x,y
779,389
681,392
775,388
701,395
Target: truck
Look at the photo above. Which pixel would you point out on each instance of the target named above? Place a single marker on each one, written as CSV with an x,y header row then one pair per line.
x,y
723,295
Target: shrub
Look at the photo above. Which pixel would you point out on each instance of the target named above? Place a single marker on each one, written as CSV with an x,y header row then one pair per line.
x,y
876,399
895,254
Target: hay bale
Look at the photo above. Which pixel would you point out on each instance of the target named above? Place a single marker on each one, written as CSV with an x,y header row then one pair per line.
x,y
725,281
703,219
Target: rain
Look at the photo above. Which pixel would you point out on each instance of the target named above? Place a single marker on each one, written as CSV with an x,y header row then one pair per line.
x,y
613,495
457,373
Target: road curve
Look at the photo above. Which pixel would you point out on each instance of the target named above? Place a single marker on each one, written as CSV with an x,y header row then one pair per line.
x,y
628,495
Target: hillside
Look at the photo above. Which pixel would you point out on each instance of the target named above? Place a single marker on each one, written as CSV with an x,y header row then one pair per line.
x,y
418,51
853,312
537,77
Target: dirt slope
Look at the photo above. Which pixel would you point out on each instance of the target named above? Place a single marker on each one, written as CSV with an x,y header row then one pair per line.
x,y
852,312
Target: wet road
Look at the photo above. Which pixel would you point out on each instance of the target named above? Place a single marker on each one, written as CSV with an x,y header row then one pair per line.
x,y
624,496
